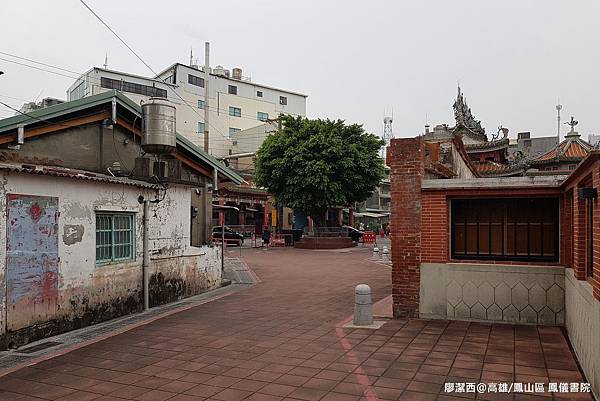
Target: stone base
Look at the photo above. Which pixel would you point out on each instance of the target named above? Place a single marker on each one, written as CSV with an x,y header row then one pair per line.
x,y
324,243
376,325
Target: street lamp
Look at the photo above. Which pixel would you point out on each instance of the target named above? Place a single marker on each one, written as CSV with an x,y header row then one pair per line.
x,y
224,207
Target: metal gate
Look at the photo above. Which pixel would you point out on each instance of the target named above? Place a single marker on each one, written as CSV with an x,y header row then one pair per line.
x,y
31,260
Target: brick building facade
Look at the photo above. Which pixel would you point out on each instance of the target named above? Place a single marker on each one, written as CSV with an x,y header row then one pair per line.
x,y
521,249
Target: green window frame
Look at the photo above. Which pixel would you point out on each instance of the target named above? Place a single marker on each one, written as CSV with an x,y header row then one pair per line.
x,y
115,237
201,104
235,111
262,116
201,127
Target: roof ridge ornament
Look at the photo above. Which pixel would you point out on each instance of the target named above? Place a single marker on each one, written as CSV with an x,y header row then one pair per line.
x,y
464,117
572,123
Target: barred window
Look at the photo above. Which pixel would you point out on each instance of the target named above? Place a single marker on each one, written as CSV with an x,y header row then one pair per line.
x,y
115,237
518,229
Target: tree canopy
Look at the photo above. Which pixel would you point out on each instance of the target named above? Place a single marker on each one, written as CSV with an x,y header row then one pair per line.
x,y
311,165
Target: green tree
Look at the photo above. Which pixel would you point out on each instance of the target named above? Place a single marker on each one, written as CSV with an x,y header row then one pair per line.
x,y
311,165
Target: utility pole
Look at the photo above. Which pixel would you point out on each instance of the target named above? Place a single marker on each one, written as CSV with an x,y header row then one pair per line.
x,y
206,93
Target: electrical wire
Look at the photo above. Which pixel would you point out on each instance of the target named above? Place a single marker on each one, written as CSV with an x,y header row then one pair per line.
x,y
91,78
40,63
117,35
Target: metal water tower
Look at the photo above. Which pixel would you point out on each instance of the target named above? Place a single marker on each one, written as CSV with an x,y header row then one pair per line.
x,y
158,127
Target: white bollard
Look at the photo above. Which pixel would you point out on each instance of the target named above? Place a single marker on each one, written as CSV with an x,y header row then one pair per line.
x,y
363,306
375,253
385,255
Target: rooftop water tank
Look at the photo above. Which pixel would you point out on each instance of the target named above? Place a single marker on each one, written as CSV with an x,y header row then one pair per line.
x,y
237,73
158,126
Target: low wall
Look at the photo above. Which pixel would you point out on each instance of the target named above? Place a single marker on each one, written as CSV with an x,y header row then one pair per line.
x,y
583,326
177,277
516,294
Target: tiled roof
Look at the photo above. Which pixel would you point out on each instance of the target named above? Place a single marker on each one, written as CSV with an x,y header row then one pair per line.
x,y
489,168
573,147
64,109
57,171
487,146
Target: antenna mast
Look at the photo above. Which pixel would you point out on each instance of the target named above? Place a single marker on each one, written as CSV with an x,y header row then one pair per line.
x,y
387,132
558,109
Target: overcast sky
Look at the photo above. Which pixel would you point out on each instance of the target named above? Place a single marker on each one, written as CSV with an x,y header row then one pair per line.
x,y
355,59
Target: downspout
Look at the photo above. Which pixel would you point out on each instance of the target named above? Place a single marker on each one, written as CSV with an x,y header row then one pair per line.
x,y
146,255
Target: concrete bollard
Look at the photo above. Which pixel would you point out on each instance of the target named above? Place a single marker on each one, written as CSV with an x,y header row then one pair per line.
x,y
375,253
385,255
363,306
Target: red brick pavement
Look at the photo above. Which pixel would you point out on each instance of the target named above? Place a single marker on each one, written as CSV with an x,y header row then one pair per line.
x,y
277,341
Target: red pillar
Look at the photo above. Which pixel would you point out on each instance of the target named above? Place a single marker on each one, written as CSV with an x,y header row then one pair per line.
x,y
405,158
351,217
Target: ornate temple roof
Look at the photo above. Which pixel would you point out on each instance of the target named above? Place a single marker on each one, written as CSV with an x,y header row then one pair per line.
x,y
572,148
494,169
465,120
489,146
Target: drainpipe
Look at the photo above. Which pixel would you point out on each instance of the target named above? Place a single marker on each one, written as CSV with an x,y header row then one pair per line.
x,y
146,255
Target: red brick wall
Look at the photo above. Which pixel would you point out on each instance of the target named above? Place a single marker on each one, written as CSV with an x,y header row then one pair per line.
x,y
406,160
596,236
434,227
566,229
587,175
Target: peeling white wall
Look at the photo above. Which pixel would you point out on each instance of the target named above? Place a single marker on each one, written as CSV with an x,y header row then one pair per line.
x,y
82,284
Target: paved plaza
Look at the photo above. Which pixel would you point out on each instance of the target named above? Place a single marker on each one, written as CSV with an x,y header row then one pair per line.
x,y
283,339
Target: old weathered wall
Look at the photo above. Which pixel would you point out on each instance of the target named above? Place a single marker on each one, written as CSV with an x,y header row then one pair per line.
x,y
87,292
405,158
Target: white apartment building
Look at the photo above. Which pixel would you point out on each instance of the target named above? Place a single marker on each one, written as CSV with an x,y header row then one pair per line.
x,y
235,103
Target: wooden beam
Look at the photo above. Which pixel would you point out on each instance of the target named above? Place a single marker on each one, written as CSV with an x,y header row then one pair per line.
x,y
189,162
54,127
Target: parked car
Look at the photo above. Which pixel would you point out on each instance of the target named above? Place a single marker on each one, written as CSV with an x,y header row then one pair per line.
x,y
231,237
353,233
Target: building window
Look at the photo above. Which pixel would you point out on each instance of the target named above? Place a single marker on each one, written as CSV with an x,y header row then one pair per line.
x,y
196,81
262,116
78,92
115,237
282,100
201,127
527,143
232,90
201,104
235,111
505,229
131,87
232,131
259,94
